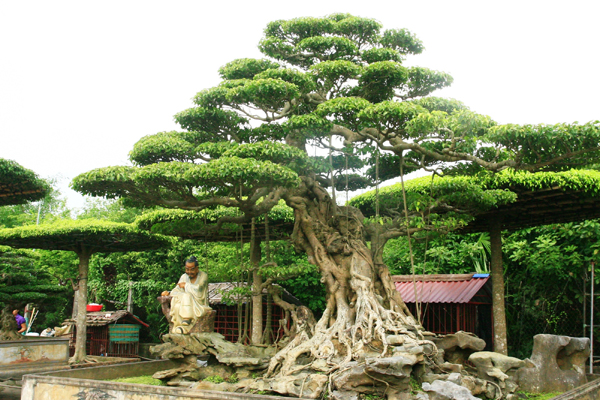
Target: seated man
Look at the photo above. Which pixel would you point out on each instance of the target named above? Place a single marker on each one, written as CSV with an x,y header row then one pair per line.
x,y
189,298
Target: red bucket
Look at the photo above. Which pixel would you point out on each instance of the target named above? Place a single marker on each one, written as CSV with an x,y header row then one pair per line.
x,y
94,307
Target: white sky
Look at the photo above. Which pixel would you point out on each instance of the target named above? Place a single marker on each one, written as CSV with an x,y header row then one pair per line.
x,y
82,81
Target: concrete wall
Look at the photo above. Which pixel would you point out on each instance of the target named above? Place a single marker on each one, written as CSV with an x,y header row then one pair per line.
x,y
18,357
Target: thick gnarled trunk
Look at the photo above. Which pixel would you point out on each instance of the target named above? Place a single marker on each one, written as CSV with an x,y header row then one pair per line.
x,y
362,307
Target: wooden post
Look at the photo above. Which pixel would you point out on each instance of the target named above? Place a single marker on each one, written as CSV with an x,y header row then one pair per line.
x,y
130,298
497,273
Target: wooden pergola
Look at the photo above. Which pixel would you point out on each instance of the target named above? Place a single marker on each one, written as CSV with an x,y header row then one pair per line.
x,y
19,185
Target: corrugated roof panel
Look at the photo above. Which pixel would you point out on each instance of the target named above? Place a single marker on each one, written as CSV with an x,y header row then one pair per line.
x,y
440,292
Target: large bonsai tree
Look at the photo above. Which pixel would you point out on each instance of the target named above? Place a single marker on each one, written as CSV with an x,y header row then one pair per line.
x,y
337,84
84,237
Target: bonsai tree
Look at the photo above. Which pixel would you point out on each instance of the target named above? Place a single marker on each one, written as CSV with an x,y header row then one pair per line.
x,y
84,237
337,84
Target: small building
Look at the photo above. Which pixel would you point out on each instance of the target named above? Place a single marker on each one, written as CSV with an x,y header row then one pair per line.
x,y
227,319
450,302
110,333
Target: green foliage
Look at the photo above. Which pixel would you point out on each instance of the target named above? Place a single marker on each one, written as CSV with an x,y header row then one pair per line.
x,y
439,254
529,140
214,379
246,68
24,279
232,379
19,185
141,380
466,193
537,396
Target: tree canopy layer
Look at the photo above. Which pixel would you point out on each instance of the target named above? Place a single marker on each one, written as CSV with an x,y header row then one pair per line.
x,y
209,225
524,199
19,185
83,237
337,84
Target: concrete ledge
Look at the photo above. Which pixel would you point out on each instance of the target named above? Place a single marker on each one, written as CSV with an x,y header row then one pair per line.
x,y
58,388
20,357
589,391
125,370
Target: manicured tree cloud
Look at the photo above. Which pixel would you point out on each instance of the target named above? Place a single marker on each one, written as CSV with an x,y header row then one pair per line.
x,y
84,237
19,185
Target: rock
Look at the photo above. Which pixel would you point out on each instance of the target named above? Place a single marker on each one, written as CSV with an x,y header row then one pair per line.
x,y
193,375
305,385
495,365
393,370
167,350
557,364
416,350
475,385
455,378
221,387
459,346
343,395
421,396
223,371
170,373
447,367
445,390
430,377
395,340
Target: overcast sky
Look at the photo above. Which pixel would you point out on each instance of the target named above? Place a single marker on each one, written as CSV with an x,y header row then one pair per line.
x,y
82,81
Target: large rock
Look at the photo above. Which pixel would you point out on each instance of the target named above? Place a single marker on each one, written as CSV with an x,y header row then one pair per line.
x,y
557,364
459,346
305,385
495,366
446,390
376,376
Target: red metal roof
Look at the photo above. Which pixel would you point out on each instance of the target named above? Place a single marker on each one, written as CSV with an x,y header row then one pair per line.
x,y
440,288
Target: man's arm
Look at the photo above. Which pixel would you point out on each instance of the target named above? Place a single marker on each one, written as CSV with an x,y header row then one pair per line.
x,y
23,328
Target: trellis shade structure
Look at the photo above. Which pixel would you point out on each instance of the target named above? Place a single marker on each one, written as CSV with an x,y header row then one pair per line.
x,y
19,185
543,198
84,237
539,198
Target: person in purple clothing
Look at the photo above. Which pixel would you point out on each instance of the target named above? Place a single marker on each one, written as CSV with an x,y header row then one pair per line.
x,y
20,321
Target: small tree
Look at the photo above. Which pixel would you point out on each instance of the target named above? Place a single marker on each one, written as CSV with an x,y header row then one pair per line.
x,y
84,237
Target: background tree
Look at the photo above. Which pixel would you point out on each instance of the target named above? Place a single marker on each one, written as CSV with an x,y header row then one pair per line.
x,y
335,83
23,282
83,238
